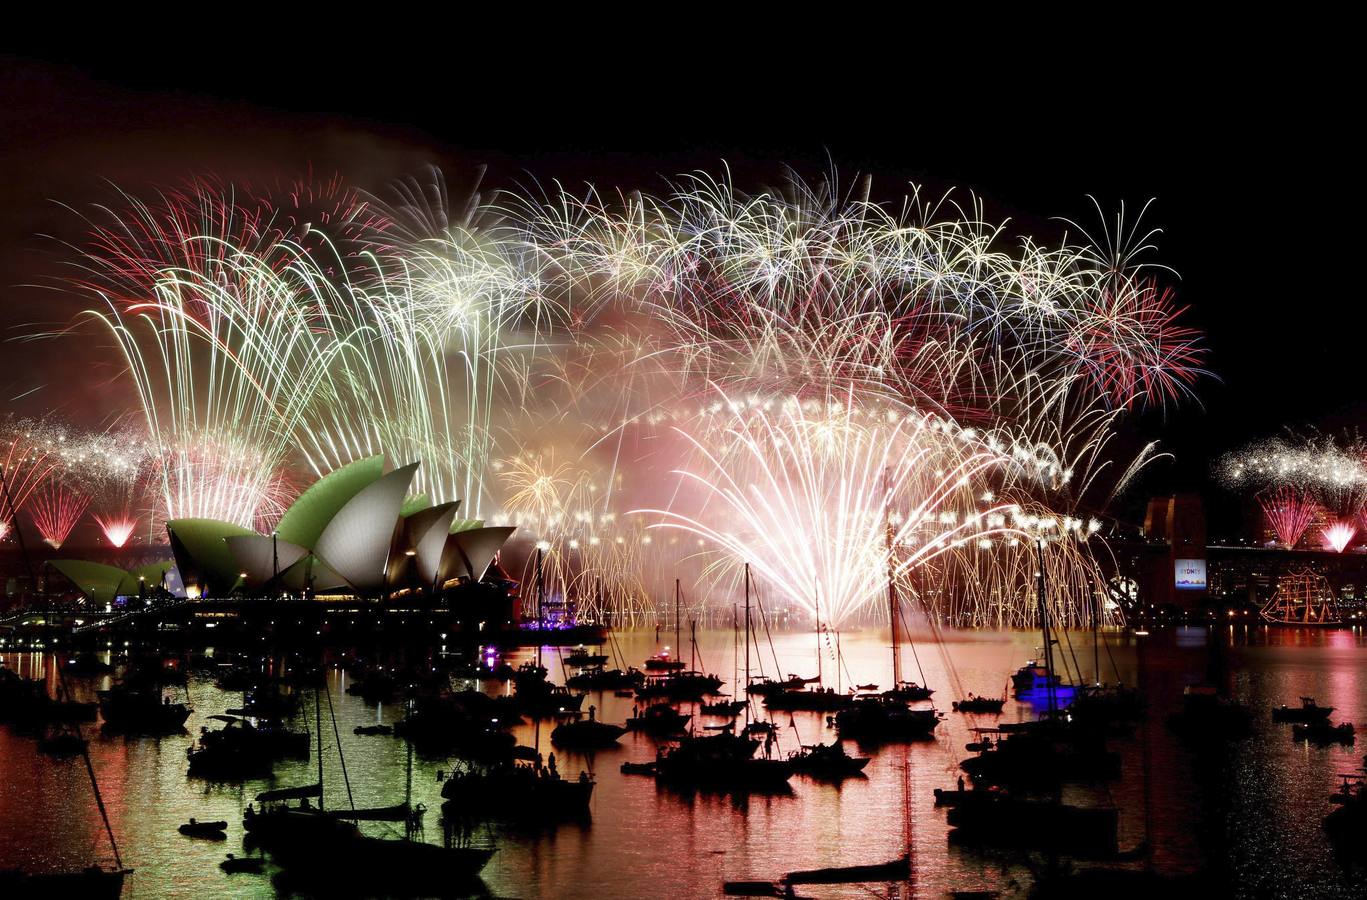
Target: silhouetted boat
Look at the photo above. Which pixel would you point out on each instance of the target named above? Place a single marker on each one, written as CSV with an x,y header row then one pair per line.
x,y
372,730
1206,716
659,720
897,870
1005,821
581,658
726,708
596,678
325,850
990,705
1324,733
768,687
242,750
882,719
1046,753
62,743
214,831
723,762
94,883
97,882
249,865
1347,825
827,761
679,686
663,662
136,711
818,700
909,692
1308,711
516,792
587,734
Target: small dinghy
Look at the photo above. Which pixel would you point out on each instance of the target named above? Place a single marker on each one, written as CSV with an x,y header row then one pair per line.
x,y
373,729
237,864
214,831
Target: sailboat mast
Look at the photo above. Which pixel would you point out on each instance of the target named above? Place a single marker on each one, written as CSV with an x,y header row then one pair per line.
x,y
893,611
678,642
99,801
540,606
1096,636
318,726
747,642
1044,630
816,607
62,694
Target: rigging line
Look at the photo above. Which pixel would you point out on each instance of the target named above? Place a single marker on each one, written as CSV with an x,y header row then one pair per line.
x,y
902,615
336,735
1067,639
1115,668
778,667
90,769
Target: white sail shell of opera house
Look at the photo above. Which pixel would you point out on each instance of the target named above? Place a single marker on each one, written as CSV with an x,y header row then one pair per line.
x,y
357,541
469,553
262,557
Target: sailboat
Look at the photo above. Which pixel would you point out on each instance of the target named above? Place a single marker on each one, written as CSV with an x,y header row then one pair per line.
x,y
724,761
320,847
888,716
97,882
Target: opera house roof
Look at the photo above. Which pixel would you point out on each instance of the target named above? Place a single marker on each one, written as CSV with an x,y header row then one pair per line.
x,y
355,530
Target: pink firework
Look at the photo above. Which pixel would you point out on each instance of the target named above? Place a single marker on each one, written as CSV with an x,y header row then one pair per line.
x,y
56,510
117,528
1131,344
1338,535
1288,513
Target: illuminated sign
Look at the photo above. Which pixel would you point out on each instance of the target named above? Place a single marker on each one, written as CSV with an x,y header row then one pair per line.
x,y
1191,574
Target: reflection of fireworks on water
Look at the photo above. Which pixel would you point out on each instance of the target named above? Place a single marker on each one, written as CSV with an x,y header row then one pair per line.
x,y
1289,513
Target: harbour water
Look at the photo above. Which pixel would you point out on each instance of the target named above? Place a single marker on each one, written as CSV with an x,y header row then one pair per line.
x,y
1250,814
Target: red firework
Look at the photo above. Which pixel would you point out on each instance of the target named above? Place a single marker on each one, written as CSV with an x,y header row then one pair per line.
x,y
56,510
1289,513
1338,535
117,528
1133,348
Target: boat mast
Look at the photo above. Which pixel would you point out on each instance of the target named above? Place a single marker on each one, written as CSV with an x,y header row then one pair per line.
x,y
85,755
747,642
816,606
893,611
540,610
1044,630
1096,636
318,726
678,642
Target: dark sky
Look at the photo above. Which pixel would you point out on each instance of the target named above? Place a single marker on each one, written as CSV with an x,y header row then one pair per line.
x,y
1250,151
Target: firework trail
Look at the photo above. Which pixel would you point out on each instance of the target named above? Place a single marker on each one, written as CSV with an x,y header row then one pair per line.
x,y
549,360
1338,535
56,509
1289,514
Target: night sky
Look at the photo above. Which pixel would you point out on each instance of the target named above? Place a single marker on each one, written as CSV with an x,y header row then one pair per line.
x,y
1250,156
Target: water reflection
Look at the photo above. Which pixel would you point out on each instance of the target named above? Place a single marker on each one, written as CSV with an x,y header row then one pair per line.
x,y
1253,815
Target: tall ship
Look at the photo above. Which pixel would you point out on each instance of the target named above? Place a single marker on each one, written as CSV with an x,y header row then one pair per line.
x,y
1303,598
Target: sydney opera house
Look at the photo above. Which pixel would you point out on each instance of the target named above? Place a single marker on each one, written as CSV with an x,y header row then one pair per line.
x,y
356,532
